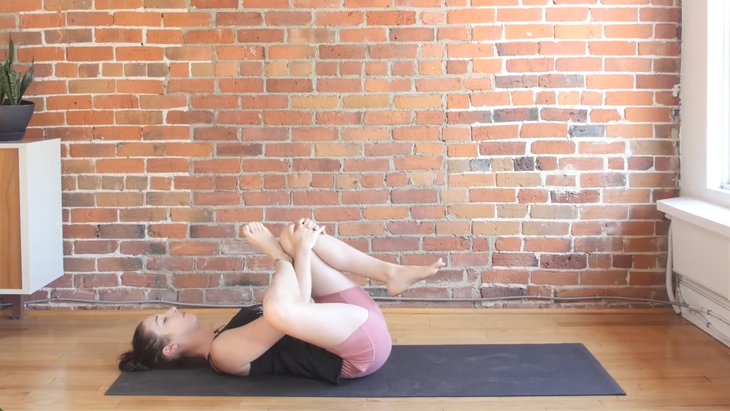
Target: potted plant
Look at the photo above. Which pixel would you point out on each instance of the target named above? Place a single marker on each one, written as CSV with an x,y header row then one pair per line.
x,y
15,113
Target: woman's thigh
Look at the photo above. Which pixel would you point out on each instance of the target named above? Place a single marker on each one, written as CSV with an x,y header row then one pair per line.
x,y
324,325
354,295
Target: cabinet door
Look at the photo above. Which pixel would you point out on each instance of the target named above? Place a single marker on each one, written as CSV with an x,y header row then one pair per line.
x,y
10,252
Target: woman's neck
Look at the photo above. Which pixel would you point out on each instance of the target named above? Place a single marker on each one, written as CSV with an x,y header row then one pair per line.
x,y
201,343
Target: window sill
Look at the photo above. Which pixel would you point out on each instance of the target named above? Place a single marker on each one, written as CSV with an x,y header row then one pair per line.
x,y
700,213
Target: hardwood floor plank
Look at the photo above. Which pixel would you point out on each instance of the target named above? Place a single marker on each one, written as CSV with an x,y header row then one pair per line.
x,y
668,404
180,403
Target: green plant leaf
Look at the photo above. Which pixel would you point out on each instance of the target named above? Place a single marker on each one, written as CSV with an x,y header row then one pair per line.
x,y
5,79
2,89
14,87
9,60
27,79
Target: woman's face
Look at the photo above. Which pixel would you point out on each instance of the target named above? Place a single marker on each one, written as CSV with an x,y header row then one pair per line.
x,y
177,325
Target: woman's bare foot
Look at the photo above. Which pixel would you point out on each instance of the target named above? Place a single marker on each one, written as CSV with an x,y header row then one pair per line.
x,y
404,276
260,236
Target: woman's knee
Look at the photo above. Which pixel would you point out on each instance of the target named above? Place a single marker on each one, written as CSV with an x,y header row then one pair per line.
x,y
285,241
279,313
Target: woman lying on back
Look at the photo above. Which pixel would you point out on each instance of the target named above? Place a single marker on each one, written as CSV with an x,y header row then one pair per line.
x,y
314,321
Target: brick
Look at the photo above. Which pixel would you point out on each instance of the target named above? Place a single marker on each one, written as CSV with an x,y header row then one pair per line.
x,y
543,130
624,14
561,80
501,149
517,49
668,65
366,101
496,228
143,248
573,163
587,131
214,36
390,18
418,102
514,260
15,6
604,277
471,211
610,81
602,148
516,114
573,31
124,18
518,180
387,118
650,147
85,18
660,81
578,64
555,114
643,31
671,15
628,64
61,5
8,22
469,50
548,245
567,14
288,18
612,48
39,21
496,132
648,114
165,4
417,228
475,180
392,51
472,16
504,276
487,66
215,4
655,180
562,48
527,14
563,261
120,264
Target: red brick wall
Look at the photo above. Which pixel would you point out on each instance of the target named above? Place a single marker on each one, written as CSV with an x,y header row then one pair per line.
x,y
526,141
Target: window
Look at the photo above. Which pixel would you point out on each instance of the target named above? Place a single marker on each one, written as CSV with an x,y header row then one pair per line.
x,y
718,28
705,105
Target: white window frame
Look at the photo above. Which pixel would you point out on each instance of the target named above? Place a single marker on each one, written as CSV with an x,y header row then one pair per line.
x,y
718,36
705,101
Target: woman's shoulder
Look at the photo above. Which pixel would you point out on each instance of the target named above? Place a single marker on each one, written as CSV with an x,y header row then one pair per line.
x,y
244,316
223,359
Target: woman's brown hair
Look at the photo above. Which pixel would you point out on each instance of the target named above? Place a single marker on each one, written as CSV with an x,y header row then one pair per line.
x,y
146,352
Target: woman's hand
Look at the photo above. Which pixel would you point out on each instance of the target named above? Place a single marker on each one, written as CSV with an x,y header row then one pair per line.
x,y
305,235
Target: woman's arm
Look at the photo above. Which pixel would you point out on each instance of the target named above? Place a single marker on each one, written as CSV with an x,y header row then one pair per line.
x,y
234,350
303,239
303,270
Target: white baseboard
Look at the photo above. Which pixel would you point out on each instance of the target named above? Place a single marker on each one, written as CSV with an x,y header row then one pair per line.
x,y
693,294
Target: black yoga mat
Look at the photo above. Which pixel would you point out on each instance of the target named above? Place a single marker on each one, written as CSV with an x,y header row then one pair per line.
x,y
498,370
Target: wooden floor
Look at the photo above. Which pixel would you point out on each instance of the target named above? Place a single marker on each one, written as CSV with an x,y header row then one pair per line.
x,y
66,360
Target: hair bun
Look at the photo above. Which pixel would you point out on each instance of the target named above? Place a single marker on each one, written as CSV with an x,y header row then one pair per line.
x,y
127,362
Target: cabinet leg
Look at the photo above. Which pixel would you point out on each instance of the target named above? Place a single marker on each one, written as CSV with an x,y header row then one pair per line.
x,y
18,302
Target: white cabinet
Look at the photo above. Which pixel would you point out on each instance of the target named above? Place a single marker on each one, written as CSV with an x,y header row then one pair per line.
x,y
31,220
